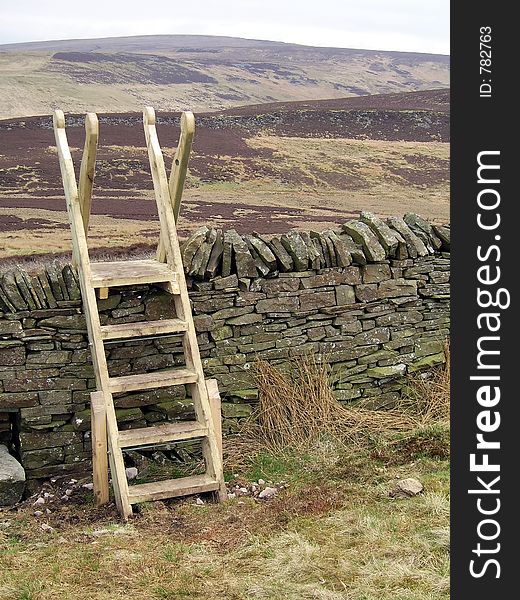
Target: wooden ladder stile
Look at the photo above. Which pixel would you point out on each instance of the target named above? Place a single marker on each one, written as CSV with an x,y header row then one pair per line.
x,y
166,271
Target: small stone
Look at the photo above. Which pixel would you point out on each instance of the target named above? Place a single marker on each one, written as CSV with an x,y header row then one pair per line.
x,y
216,254
265,253
75,322
88,486
222,283
73,481
46,528
227,255
314,255
192,245
262,267
40,501
387,238
443,233
343,257
407,488
261,482
231,496
70,281
65,497
268,492
244,262
12,292
38,513
201,258
68,492
356,250
199,501
398,370
423,230
131,473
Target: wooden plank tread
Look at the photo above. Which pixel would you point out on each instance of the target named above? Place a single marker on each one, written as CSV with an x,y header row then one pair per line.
x,y
147,381
170,488
142,329
130,272
159,434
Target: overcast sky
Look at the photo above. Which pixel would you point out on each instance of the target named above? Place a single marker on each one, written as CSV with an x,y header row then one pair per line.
x,y
407,25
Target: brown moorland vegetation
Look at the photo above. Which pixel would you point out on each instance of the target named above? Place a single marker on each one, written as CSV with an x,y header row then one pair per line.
x,y
303,164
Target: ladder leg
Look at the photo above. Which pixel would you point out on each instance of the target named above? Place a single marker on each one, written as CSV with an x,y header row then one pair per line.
x,y
116,467
216,414
81,259
173,256
99,448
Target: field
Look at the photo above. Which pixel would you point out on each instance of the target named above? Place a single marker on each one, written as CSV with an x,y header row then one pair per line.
x,y
200,72
333,532
264,167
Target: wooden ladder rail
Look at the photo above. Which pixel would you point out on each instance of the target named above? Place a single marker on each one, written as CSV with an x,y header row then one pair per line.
x,y
82,261
86,176
179,171
199,392
88,167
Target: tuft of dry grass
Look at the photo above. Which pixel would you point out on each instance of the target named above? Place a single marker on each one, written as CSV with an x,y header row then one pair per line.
x,y
297,409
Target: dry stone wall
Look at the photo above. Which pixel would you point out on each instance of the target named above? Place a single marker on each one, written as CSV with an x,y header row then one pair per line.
x,y
371,297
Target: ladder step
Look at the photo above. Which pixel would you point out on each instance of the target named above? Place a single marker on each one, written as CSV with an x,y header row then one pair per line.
x,y
159,434
131,272
142,329
184,486
147,381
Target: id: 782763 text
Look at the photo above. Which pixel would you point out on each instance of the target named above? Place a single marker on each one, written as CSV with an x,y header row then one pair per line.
x,y
485,62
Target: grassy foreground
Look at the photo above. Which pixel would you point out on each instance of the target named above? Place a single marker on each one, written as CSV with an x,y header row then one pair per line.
x,y
332,531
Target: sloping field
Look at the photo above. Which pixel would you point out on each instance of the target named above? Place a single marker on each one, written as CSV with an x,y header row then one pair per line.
x,y
199,72
266,167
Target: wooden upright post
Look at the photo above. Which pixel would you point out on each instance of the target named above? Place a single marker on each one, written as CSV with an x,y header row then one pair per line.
x,y
216,415
98,430
88,167
179,171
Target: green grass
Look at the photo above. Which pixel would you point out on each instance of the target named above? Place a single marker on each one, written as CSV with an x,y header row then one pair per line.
x,y
333,532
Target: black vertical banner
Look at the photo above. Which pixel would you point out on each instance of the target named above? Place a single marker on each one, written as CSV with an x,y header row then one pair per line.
x,y
485,252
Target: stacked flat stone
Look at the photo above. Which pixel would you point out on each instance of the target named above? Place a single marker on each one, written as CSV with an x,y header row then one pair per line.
x,y
54,287
209,252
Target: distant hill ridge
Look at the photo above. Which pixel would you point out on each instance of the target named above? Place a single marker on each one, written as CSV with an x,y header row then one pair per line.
x,y
195,43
